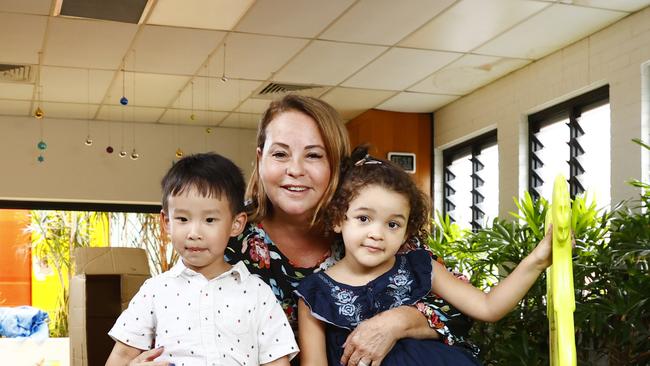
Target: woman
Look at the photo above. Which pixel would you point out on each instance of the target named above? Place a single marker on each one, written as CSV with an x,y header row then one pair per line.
x,y
300,144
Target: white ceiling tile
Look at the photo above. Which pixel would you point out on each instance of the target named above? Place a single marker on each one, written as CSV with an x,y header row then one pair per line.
x,y
152,90
129,114
623,5
206,14
254,106
383,22
72,85
38,7
469,23
14,108
87,43
416,102
167,50
399,68
222,96
352,102
16,91
468,73
327,63
21,37
278,17
549,30
255,57
242,120
69,110
183,117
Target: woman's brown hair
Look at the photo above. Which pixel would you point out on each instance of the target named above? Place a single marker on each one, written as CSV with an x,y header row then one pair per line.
x,y
337,147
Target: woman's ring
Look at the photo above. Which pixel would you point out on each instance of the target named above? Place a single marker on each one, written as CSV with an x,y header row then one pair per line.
x,y
361,363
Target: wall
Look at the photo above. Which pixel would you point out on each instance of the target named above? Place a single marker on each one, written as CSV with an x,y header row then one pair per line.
x,y
75,172
15,259
613,56
399,132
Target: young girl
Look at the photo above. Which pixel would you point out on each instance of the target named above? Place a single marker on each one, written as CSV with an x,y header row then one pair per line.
x,y
376,209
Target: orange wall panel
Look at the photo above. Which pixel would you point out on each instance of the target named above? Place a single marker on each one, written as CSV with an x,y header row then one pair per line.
x,y
15,259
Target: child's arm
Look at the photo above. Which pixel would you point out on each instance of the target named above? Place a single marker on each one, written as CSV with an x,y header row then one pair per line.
x,y
123,355
502,298
311,337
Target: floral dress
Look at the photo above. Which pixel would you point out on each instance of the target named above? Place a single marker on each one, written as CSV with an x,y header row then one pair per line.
x,y
263,258
342,307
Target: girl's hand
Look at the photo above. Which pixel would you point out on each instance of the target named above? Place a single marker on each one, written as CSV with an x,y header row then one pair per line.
x,y
369,342
543,252
147,358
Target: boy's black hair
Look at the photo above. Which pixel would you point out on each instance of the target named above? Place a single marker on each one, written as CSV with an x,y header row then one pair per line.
x,y
361,170
211,174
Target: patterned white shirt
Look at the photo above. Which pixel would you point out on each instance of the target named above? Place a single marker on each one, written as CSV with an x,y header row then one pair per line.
x,y
233,319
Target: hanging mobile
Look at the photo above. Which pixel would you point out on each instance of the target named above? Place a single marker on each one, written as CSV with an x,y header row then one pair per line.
x,y
89,140
123,100
38,113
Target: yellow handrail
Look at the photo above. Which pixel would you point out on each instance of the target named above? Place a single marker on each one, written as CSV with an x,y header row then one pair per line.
x,y
559,279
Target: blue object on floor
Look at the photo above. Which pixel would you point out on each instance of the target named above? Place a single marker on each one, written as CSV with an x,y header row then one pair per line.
x,y
23,322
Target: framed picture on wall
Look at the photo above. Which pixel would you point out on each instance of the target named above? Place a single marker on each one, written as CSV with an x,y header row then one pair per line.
x,y
403,159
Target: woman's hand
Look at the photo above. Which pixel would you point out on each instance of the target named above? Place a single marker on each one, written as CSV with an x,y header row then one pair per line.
x,y
147,358
370,341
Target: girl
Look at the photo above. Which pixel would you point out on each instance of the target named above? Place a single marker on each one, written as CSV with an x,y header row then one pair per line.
x,y
376,209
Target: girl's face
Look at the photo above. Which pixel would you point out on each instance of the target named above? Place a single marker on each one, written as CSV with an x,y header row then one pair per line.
x,y
374,227
293,166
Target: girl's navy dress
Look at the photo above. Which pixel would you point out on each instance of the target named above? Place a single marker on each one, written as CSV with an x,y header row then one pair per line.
x,y
342,307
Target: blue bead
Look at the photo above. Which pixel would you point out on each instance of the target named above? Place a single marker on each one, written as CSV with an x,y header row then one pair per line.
x,y
124,101
42,145
40,159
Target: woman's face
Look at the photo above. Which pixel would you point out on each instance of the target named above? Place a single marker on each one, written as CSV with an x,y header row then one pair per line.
x,y
293,165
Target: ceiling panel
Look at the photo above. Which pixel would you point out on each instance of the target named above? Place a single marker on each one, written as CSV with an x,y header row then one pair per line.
x,y
468,73
152,90
129,113
16,91
416,102
166,50
469,23
183,117
383,22
623,5
38,7
14,107
352,102
69,110
206,14
241,120
399,68
74,85
87,43
549,30
254,106
327,63
222,96
256,57
278,17
21,37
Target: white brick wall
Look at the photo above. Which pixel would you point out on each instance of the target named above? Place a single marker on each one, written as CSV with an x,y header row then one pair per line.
x,y
614,56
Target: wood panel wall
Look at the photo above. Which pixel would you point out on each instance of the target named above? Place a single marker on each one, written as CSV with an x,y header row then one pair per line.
x,y
397,132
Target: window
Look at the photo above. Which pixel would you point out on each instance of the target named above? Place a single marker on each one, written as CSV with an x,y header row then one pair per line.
x,y
573,139
471,184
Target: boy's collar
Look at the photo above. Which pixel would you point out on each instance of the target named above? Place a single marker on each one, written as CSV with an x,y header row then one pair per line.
x,y
238,270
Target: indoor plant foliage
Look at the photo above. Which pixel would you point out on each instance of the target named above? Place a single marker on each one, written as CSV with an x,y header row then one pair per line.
x,y
610,278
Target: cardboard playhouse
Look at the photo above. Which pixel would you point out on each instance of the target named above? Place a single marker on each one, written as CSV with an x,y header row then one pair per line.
x,y
105,279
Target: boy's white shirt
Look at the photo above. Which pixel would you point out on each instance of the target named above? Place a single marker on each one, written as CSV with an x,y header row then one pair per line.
x,y
233,319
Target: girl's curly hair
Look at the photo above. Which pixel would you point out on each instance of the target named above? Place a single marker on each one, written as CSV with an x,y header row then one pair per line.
x,y
361,170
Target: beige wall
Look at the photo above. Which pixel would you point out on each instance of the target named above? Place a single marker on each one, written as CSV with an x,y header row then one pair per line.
x,y
75,172
614,56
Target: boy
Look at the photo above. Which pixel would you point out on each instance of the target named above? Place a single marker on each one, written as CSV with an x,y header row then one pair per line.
x,y
203,311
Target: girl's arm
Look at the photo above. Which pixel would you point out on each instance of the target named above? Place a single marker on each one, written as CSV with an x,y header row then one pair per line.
x,y
311,337
502,298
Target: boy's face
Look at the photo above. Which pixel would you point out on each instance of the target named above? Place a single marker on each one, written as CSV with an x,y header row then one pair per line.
x,y
200,228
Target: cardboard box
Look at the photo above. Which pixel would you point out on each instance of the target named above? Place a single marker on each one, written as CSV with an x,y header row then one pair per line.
x,y
105,280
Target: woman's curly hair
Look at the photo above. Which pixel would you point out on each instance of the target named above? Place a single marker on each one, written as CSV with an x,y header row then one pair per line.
x,y
361,170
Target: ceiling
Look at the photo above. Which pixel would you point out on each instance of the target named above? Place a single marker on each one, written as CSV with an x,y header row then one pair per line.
x,y
409,56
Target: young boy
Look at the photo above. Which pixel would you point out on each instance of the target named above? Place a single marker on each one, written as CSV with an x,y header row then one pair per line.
x,y
203,311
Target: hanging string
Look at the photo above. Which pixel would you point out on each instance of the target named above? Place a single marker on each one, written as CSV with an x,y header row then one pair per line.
x,y
89,141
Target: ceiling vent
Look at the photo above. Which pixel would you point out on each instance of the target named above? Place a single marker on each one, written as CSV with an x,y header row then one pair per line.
x,y
16,73
276,90
126,11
